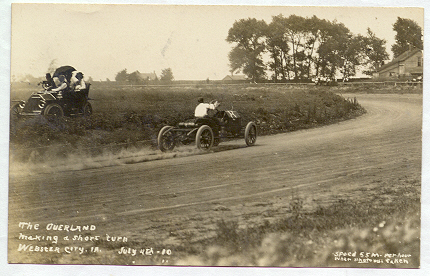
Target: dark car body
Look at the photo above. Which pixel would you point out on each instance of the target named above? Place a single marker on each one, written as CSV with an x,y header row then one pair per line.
x,y
48,103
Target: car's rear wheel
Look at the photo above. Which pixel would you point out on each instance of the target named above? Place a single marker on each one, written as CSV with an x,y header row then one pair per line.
x,y
166,139
250,134
204,138
87,110
53,112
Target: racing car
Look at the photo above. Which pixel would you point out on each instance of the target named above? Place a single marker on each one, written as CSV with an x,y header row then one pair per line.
x,y
52,104
207,132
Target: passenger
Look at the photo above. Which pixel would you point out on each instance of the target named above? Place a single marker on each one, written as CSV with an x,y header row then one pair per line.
x,y
77,81
62,86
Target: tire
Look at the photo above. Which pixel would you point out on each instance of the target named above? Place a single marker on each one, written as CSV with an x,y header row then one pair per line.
x,y
87,109
166,139
250,134
53,112
15,112
204,138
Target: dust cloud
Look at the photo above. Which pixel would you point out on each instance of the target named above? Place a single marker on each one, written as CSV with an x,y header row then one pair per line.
x,y
77,162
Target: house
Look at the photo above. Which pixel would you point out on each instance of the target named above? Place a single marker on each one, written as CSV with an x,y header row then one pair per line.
x,y
235,78
146,76
410,63
141,78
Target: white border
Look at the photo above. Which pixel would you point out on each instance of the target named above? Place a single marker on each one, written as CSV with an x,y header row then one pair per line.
x,y
23,269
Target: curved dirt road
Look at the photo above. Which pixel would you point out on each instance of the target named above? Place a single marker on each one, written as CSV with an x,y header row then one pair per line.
x,y
183,198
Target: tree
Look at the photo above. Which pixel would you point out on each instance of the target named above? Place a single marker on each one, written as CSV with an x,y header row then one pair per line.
x,y
134,78
293,43
246,56
374,52
339,51
351,56
121,76
278,48
317,34
408,33
166,75
294,30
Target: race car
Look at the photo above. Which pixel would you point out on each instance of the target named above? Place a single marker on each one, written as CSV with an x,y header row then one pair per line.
x,y
207,132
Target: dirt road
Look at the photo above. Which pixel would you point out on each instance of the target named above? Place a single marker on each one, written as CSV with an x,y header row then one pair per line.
x,y
179,198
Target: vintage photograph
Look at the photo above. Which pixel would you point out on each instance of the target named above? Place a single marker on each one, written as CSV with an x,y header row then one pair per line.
x,y
215,135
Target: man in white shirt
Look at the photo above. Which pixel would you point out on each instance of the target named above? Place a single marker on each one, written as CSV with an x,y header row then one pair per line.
x,y
202,108
205,113
62,86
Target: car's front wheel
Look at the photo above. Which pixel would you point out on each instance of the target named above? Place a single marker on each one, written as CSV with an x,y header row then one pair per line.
x,y
204,138
15,112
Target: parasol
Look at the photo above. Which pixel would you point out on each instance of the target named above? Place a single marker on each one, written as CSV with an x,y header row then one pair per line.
x,y
64,70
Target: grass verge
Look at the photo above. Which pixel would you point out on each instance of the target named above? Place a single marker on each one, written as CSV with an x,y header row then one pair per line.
x,y
378,231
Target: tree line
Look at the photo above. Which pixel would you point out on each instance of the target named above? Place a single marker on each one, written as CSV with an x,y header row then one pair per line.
x,y
299,48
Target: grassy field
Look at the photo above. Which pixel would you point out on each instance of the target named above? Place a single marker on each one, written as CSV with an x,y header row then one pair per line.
x,y
132,116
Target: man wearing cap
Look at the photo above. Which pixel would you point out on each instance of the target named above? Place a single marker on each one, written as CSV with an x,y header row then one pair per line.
x,y
202,108
205,112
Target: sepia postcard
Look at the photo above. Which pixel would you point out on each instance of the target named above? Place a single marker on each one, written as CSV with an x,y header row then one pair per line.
x,y
215,136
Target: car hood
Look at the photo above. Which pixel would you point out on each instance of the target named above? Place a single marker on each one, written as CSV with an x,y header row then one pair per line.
x,y
46,97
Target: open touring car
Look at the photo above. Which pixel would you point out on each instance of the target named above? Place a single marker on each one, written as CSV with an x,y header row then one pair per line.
x,y
53,104
207,132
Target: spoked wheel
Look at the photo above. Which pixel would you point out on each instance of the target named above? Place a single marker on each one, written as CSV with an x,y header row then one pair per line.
x,y
15,112
250,134
53,112
204,138
87,110
166,139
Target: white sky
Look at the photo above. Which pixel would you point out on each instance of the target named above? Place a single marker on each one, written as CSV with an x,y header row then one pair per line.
x,y
101,40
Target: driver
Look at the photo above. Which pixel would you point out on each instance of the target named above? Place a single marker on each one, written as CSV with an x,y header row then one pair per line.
x,y
62,87
202,108
205,113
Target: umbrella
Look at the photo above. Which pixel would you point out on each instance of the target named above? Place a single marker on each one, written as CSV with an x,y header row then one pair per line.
x,y
64,70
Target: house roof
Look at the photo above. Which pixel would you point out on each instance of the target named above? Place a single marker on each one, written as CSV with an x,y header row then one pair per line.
x,y
235,77
401,57
146,76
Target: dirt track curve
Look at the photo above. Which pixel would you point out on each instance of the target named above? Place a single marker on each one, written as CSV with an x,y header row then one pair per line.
x,y
187,195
